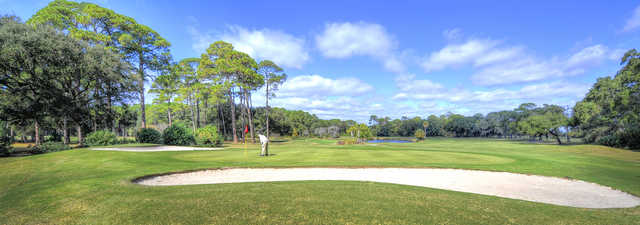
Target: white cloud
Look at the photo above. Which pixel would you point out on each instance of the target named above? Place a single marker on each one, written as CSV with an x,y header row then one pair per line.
x,y
277,46
457,54
315,85
496,63
588,55
344,40
413,89
282,48
452,34
633,22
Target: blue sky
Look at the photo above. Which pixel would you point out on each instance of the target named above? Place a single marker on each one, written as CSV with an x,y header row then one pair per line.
x,y
352,59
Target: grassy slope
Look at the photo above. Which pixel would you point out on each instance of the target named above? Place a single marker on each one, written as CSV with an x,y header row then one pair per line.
x,y
81,186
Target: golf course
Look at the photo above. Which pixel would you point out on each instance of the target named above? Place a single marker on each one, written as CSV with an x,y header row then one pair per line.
x,y
83,186
319,112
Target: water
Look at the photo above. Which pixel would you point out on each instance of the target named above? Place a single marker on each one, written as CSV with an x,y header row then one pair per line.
x,y
388,141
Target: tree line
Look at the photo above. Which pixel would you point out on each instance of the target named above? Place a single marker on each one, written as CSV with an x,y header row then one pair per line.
x,y
528,119
76,67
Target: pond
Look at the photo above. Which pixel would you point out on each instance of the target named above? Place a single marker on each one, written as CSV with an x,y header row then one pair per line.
x,y
388,141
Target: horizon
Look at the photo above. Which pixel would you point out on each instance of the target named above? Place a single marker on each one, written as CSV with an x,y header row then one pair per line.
x,y
418,59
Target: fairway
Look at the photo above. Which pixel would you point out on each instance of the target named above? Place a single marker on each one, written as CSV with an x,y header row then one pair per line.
x,y
84,186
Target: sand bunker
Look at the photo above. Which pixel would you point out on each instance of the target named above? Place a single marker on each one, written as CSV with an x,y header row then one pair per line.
x,y
162,148
534,188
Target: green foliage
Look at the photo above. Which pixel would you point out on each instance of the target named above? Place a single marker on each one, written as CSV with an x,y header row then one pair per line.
x,y
49,147
360,131
610,112
54,137
5,141
208,136
629,138
101,138
149,135
419,134
178,134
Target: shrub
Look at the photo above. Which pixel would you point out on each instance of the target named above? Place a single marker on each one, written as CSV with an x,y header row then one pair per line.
x,y
54,137
49,147
148,135
101,137
609,140
177,135
630,137
208,136
5,141
5,144
419,134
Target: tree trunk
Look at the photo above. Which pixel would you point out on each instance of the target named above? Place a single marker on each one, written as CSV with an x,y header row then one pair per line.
x,y
65,130
111,121
193,112
233,118
169,112
197,113
267,110
557,135
205,104
141,91
246,96
221,116
80,137
37,132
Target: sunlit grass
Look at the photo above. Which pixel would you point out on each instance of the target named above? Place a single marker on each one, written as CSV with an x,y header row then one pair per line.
x,y
83,186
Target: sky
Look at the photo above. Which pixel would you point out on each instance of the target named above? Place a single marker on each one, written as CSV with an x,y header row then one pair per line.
x,y
353,59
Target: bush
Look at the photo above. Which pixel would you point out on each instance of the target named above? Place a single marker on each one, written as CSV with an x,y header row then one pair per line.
x,y
49,147
609,140
630,137
5,144
5,141
101,137
208,136
419,134
177,135
148,135
54,137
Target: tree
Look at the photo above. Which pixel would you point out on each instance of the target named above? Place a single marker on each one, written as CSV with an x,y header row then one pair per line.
x,y
611,108
97,26
545,120
274,77
52,75
360,131
219,64
146,48
166,87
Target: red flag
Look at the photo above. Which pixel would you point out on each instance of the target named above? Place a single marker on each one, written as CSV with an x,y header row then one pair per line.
x,y
246,129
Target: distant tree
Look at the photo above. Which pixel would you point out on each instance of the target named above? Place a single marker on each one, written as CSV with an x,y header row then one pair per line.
x,y
544,120
274,77
360,131
166,87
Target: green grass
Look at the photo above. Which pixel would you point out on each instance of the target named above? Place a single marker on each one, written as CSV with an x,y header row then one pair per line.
x,y
93,187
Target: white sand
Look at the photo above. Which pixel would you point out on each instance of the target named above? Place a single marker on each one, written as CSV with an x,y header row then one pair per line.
x,y
162,148
534,188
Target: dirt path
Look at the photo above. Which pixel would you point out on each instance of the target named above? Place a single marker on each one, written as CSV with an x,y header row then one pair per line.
x,y
162,148
534,188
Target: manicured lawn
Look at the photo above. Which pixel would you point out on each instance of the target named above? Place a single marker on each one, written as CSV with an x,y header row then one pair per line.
x,y
89,187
